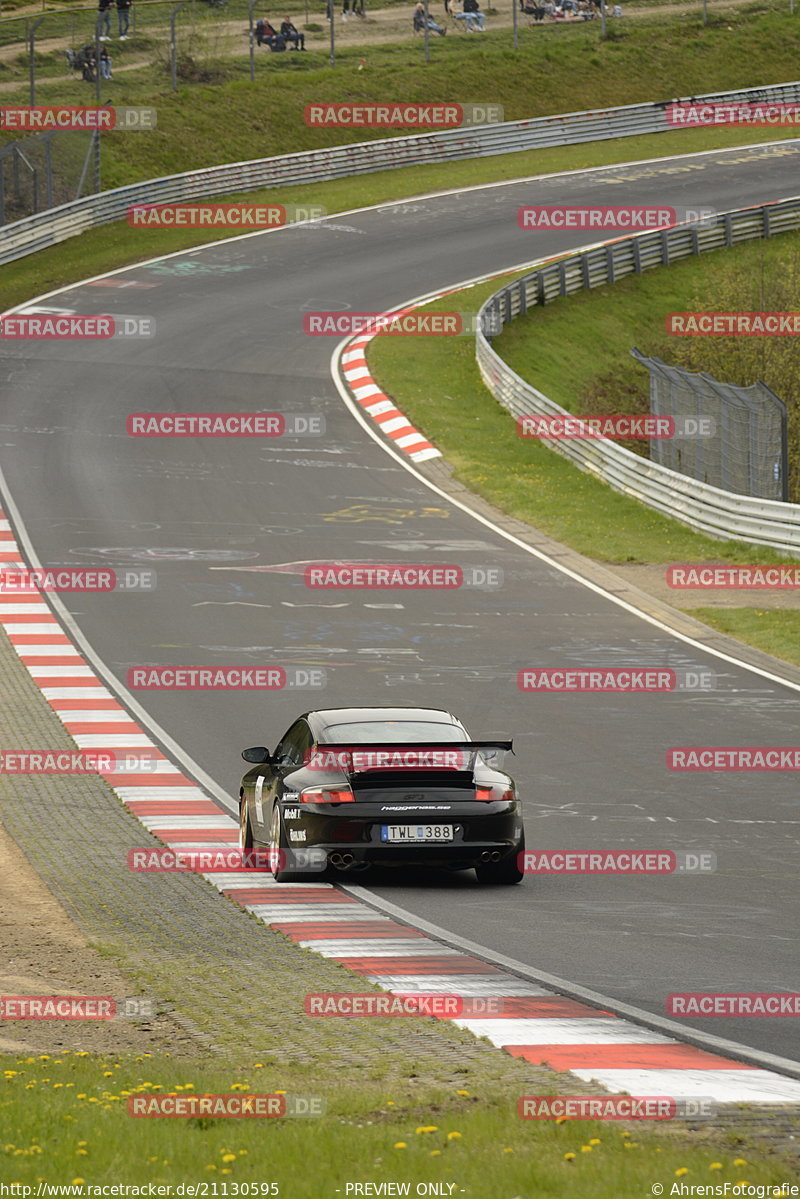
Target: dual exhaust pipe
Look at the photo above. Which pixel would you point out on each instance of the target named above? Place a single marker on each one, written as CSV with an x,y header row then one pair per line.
x,y
491,855
342,861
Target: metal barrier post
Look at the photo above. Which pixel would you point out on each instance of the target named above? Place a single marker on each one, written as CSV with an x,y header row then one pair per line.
x,y
32,58
251,5
173,48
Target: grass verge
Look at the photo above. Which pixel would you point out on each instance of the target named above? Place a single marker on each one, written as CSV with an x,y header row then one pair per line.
x,y
65,1121
440,390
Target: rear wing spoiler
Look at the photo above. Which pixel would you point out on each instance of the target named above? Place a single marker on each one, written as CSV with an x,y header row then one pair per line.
x,y
458,756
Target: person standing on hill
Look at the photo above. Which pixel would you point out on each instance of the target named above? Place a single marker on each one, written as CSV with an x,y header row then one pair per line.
x,y
124,17
104,20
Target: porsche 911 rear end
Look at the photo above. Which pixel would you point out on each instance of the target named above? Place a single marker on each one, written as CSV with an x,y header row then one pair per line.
x,y
437,804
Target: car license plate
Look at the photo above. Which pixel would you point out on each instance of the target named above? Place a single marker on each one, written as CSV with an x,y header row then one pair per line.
x,y
404,833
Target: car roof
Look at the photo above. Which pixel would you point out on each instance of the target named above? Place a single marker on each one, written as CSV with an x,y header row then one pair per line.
x,y
325,717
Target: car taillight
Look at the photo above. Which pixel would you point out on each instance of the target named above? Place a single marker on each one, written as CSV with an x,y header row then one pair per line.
x,y
493,793
327,797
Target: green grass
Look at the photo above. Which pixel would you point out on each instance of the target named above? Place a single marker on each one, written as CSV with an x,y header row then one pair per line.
x,y
65,1121
440,390
776,630
558,70
600,327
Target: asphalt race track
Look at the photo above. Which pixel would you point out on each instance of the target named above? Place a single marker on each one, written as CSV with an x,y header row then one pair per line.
x,y
219,518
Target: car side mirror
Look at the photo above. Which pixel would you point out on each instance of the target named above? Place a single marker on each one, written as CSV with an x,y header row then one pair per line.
x,y
258,755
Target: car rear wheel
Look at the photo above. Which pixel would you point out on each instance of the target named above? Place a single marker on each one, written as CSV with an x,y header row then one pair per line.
x,y
505,872
245,831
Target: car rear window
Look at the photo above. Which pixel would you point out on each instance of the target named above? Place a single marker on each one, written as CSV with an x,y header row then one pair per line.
x,y
391,732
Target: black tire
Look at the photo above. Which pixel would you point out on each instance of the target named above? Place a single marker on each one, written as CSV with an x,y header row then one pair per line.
x,y
245,831
503,873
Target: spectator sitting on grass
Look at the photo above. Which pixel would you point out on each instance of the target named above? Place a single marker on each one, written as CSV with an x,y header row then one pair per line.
x,y
270,37
419,20
289,32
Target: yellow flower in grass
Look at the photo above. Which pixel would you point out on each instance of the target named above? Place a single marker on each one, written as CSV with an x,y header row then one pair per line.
x,y
508,1149
229,1157
225,1170
595,1141
561,1119
739,1161
76,1182
453,1136
400,1145
586,1149
81,1152
680,1171
716,1166
568,1157
423,1128
435,1153
462,1092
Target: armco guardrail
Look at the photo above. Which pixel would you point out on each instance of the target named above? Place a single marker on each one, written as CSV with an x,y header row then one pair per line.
x,y
720,514
54,225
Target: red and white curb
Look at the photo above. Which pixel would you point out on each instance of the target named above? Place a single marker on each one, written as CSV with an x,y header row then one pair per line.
x,y
377,404
540,1026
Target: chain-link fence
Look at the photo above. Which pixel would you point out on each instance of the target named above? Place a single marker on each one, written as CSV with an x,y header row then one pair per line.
x,y
728,436
45,170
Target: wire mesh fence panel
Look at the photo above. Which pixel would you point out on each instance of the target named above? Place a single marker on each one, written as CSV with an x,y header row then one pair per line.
x,y
727,436
43,171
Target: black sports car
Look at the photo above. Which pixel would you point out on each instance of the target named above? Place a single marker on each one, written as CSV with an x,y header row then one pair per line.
x,y
382,786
